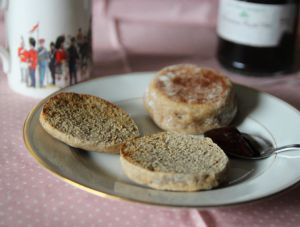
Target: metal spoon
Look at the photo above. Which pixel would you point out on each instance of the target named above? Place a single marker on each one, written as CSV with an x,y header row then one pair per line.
x,y
264,147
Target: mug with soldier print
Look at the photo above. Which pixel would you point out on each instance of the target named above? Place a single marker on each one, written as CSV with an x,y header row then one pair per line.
x,y
49,44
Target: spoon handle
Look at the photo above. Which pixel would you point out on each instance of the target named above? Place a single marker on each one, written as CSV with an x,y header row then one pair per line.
x,y
286,148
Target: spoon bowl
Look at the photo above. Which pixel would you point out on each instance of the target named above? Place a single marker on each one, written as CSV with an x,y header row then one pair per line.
x,y
243,145
263,147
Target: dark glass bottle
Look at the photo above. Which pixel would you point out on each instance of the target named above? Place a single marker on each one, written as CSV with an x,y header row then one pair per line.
x,y
257,36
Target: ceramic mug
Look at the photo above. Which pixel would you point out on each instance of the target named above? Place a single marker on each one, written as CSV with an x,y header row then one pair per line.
x,y
49,44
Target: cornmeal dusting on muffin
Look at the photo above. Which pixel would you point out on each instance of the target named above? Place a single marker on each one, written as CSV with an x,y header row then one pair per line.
x,y
191,86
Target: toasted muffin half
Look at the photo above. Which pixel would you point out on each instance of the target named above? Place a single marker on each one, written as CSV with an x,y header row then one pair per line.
x,y
174,162
87,122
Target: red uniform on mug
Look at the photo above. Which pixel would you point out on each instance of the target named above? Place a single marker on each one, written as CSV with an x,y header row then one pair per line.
x,y
60,56
23,54
32,58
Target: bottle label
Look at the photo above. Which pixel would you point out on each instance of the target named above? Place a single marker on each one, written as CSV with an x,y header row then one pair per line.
x,y
254,24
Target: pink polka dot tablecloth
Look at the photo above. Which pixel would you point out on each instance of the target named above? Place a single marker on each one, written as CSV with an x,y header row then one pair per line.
x,y
31,196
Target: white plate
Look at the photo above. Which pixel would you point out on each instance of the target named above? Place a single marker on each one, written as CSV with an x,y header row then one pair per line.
x,y
101,174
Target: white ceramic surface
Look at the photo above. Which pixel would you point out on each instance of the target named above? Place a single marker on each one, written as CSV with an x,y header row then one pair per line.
x,y
259,114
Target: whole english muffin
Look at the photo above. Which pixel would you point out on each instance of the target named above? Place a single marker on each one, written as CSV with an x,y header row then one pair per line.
x,y
188,99
175,162
87,122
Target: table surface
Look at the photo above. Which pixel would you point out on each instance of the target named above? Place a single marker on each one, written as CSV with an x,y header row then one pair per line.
x,y
31,196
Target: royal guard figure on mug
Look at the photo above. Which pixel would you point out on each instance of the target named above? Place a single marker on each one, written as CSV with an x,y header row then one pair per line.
x,y
59,62
23,56
32,61
43,58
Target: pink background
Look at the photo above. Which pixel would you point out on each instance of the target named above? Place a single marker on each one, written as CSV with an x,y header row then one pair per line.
x,y
131,35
